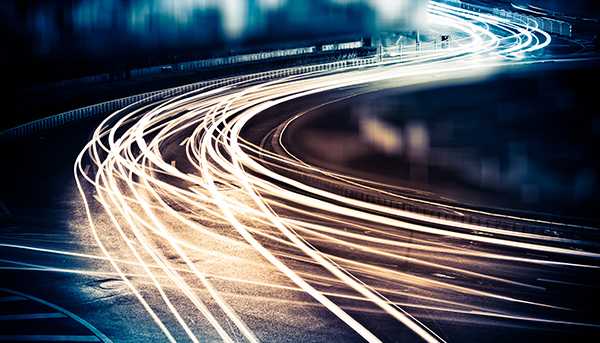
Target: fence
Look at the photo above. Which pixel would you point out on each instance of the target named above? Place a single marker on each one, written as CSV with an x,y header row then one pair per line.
x,y
216,62
223,61
549,25
532,226
114,105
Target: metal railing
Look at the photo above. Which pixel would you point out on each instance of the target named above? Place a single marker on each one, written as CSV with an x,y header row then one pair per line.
x,y
466,216
107,107
549,25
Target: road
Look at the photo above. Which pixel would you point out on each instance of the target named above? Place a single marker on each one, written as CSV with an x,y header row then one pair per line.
x,y
196,223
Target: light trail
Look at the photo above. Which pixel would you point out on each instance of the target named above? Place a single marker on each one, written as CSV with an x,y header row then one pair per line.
x,y
180,180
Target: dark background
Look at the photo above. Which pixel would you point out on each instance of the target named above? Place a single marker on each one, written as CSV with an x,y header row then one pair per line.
x,y
46,41
55,40
50,40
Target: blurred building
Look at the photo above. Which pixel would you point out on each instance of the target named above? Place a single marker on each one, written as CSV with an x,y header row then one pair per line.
x,y
108,34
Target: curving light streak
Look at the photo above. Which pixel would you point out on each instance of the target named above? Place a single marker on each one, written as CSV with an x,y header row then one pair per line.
x,y
255,207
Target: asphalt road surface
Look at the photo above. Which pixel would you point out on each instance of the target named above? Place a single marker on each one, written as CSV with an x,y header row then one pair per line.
x,y
199,219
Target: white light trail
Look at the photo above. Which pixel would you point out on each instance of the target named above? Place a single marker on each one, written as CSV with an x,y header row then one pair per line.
x,y
246,206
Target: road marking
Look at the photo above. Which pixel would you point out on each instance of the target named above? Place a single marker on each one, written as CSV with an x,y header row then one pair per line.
x,y
444,276
11,298
28,316
100,337
48,338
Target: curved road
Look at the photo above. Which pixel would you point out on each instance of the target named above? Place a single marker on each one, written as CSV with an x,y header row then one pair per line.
x,y
220,232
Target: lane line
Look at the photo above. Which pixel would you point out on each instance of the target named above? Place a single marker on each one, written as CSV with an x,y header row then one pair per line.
x,y
29,316
10,298
49,338
99,335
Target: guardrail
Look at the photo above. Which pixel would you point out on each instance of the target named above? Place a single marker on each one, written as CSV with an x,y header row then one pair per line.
x,y
216,62
550,25
466,216
114,105
223,61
